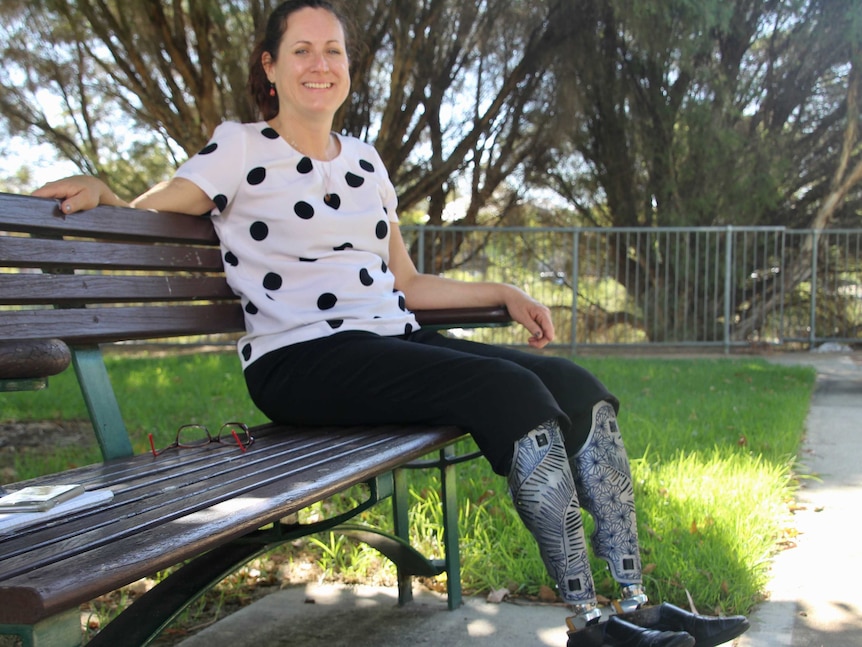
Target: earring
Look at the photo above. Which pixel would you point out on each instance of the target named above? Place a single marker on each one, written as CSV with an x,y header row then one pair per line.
x,y
271,89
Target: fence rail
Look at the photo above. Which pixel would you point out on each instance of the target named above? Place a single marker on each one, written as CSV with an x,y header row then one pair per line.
x,y
721,287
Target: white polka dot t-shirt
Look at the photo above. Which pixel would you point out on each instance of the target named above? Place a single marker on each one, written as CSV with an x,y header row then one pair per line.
x,y
305,242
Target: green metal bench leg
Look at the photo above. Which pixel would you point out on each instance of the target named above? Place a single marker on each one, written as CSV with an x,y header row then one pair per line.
x,y
401,521
449,498
101,402
63,630
450,527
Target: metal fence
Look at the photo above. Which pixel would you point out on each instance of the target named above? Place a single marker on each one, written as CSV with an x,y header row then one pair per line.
x,y
720,287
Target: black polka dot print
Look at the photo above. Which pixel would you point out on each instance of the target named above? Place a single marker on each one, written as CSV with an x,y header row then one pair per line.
x,y
327,301
272,281
354,180
382,230
305,166
256,176
353,294
259,230
303,210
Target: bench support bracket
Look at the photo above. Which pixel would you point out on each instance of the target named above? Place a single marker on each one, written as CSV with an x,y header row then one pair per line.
x,y
101,402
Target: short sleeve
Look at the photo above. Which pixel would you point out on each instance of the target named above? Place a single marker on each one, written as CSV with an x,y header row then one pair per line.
x,y
214,167
388,196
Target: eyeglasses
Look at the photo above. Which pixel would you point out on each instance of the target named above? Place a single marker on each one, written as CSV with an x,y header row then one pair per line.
x,y
189,436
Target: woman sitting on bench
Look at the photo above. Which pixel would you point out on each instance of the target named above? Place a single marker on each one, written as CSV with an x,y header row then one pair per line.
x,y
308,225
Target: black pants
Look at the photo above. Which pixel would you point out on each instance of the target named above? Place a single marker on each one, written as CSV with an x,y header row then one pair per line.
x,y
496,394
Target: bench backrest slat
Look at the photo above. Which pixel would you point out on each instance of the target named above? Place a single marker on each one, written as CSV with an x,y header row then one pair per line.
x,y
76,290
83,254
84,326
41,216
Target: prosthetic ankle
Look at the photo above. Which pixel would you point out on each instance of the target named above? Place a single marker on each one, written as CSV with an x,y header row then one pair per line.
x,y
541,486
604,486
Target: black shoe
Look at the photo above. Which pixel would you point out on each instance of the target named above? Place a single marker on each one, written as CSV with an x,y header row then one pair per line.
x,y
619,633
707,631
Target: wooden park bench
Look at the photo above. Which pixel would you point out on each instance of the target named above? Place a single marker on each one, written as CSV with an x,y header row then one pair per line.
x,y
69,285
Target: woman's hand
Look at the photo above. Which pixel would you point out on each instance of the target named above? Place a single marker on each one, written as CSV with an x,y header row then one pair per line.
x,y
79,192
531,314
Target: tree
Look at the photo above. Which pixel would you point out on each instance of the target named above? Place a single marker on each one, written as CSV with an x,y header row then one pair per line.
x,y
711,113
169,72
634,112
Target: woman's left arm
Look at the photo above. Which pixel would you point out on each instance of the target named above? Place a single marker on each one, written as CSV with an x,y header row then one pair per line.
x,y
427,291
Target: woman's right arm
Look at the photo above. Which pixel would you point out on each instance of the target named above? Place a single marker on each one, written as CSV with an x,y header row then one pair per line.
x,y
81,192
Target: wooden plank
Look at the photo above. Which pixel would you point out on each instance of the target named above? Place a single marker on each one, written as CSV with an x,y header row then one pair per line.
x,y
23,213
82,254
78,289
101,325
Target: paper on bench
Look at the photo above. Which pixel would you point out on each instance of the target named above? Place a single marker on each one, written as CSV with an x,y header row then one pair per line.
x,y
15,520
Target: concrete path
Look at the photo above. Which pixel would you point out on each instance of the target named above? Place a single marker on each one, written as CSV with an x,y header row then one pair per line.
x,y
815,595
816,590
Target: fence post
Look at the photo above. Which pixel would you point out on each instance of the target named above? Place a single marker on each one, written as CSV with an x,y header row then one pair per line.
x,y
576,238
812,314
421,245
728,285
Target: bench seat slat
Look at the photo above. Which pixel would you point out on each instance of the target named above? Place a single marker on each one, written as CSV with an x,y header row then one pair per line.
x,y
41,216
38,592
63,289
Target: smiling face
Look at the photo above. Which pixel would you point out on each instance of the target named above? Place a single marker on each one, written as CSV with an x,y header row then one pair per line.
x,y
310,71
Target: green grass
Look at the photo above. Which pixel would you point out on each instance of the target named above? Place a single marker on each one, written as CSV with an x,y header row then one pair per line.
x,y
712,444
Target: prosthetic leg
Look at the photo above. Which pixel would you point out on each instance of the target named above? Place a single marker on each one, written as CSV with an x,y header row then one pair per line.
x,y
604,486
542,488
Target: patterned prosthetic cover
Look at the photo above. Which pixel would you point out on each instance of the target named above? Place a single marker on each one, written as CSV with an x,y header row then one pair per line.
x,y
541,486
604,485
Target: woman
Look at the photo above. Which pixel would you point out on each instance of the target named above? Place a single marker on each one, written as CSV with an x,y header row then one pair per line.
x,y
309,233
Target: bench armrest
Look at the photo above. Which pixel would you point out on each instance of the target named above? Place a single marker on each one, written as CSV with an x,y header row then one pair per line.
x,y
33,359
464,317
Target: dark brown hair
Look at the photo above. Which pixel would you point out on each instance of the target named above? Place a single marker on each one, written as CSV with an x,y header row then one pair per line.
x,y
276,25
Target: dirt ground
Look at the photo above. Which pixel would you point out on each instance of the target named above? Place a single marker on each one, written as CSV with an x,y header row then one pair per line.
x,y
25,440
